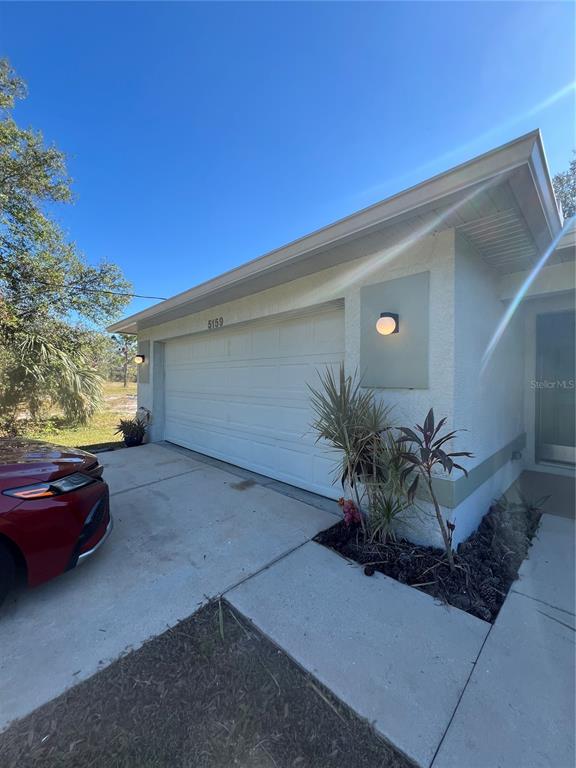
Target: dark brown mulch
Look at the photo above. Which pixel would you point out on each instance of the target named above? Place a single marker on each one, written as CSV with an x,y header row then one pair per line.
x,y
210,693
486,563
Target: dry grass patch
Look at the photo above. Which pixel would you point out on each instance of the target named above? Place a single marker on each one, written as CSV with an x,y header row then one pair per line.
x,y
212,692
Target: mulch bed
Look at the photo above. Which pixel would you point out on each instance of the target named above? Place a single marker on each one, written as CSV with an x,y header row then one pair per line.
x,y
486,563
212,692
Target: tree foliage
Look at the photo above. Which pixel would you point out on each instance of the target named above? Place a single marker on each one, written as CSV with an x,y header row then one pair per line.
x,y
53,363
49,294
118,363
565,189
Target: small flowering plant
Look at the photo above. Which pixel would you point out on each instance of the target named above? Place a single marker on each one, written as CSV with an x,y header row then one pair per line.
x,y
350,511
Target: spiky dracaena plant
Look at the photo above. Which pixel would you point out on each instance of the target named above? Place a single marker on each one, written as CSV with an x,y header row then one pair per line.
x,y
387,500
351,421
424,453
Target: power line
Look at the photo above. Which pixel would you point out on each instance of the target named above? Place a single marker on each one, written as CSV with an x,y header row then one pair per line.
x,y
94,290
116,293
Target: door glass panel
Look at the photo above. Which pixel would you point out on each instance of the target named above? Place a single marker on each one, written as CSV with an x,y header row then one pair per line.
x,y
555,374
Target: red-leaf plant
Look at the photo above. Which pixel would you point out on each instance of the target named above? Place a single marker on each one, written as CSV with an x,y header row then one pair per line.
x,y
423,454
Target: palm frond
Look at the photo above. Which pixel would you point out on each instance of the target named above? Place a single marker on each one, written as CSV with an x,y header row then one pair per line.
x,y
60,375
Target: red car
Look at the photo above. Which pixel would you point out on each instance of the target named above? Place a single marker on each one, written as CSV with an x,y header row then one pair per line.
x,y
54,510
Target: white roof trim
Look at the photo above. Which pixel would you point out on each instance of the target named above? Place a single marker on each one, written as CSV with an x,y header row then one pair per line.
x,y
526,150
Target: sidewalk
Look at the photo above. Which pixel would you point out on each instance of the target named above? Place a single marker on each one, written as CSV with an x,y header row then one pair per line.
x,y
444,687
518,708
390,652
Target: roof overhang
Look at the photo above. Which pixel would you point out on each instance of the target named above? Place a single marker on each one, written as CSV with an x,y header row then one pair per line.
x,y
520,165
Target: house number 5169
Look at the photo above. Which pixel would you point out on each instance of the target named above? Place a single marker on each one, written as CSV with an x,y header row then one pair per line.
x,y
216,322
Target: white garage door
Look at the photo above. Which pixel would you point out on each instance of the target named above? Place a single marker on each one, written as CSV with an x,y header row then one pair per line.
x,y
240,394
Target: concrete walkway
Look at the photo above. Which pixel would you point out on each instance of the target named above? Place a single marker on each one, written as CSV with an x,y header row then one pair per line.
x,y
184,532
447,689
518,708
389,651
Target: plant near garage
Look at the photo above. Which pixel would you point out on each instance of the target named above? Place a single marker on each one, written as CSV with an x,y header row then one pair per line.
x,y
475,578
134,430
422,449
388,501
358,426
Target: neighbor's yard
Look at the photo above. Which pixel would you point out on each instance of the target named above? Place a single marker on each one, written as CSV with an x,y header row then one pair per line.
x,y
119,402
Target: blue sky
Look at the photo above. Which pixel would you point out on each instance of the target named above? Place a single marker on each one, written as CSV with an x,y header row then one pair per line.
x,y
201,135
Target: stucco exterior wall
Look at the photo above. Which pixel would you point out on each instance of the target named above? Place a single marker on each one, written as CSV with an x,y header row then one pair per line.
x,y
464,310
488,403
434,253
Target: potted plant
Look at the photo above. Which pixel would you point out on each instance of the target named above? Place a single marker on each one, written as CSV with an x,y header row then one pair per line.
x,y
133,430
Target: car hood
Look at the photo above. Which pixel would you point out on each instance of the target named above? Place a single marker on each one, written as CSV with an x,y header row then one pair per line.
x,y
37,461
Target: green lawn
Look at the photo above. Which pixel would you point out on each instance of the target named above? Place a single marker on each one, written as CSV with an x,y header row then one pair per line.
x,y
119,402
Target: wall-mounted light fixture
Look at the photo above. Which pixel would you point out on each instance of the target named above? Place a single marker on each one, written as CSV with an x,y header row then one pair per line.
x,y
139,359
387,323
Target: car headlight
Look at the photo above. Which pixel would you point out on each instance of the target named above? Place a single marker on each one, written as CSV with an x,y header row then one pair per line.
x,y
55,488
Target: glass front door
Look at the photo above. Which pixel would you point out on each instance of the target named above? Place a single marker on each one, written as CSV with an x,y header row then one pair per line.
x,y
555,388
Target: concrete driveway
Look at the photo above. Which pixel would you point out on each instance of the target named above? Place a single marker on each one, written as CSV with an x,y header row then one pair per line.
x,y
185,530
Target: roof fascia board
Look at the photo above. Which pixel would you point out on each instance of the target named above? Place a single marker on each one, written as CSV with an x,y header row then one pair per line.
x,y
541,173
532,188
476,171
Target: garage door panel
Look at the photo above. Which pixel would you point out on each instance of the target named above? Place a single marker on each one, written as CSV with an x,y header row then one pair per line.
x,y
276,425
293,338
326,335
264,341
180,401
241,395
239,346
222,429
